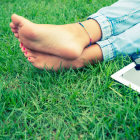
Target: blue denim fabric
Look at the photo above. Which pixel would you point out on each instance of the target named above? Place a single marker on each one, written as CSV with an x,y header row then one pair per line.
x,y
120,26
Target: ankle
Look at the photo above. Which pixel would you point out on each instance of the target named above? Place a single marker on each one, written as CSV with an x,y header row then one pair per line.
x,y
94,30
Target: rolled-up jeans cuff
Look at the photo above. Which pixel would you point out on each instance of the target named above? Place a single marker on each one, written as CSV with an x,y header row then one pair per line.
x,y
107,50
104,23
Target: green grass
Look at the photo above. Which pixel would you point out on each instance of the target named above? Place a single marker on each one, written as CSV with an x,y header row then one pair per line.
x,y
69,104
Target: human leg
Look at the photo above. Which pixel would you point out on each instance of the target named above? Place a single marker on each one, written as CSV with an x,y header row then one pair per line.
x,y
66,41
117,18
33,37
124,44
69,41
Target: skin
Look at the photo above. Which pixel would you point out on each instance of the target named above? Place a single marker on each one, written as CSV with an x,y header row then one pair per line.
x,y
51,45
39,60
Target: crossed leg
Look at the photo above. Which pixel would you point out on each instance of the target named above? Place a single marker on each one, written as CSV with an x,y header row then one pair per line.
x,y
51,45
66,41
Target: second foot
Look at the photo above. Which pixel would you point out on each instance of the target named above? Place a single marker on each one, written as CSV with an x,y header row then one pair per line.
x,y
47,61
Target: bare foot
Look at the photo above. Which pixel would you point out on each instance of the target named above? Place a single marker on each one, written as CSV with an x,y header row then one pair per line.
x,y
40,60
66,41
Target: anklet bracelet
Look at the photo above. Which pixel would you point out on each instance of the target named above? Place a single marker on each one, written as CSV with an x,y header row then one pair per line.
x,y
87,32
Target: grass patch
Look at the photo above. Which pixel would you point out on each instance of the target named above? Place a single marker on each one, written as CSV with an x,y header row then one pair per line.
x,y
69,104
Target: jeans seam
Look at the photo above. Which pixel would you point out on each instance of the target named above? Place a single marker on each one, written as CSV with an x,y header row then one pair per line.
x,y
113,49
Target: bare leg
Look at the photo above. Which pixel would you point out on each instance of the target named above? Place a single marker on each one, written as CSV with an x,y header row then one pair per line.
x,y
66,41
41,60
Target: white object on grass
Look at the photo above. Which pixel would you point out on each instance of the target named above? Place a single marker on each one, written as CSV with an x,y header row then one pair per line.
x,y
128,76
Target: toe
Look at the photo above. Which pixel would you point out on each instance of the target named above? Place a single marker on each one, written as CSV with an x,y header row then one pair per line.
x,y
29,54
19,40
12,25
20,45
31,59
17,20
23,49
14,30
16,35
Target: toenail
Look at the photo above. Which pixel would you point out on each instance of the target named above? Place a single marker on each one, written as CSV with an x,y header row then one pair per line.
x,y
29,58
25,52
23,48
21,44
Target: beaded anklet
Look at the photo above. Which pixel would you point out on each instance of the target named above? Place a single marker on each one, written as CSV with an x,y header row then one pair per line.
x,y
87,32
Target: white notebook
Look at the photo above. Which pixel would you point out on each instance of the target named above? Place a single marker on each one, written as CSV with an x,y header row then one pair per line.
x,y
129,76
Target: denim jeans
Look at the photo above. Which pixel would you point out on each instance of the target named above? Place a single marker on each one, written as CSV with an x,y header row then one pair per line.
x,y
120,26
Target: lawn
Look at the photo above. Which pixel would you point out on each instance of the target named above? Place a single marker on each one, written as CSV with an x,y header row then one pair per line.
x,y
80,104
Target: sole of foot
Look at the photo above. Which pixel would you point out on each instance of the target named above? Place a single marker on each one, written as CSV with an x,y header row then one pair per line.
x,y
66,41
